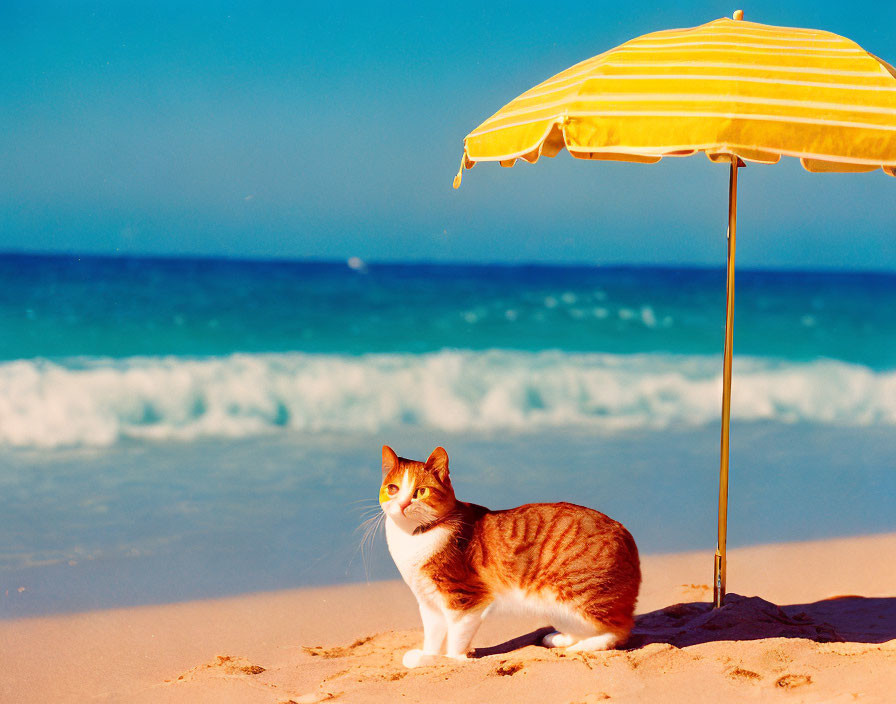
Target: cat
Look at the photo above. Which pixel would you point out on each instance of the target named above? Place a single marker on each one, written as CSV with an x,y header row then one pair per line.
x,y
570,564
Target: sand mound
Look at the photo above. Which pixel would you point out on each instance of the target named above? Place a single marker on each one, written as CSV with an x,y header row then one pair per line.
x,y
739,618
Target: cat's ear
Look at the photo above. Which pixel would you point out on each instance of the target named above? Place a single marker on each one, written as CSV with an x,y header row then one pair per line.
x,y
438,463
390,460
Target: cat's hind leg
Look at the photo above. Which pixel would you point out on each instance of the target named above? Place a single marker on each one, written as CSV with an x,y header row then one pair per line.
x,y
574,644
558,640
578,633
571,626
602,641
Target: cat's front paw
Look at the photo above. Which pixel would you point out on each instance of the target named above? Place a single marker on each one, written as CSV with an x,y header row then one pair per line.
x,y
418,658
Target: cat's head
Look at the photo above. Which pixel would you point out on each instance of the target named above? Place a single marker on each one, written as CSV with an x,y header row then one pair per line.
x,y
415,494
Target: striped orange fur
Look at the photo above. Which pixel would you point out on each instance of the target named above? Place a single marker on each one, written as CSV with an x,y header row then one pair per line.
x,y
572,564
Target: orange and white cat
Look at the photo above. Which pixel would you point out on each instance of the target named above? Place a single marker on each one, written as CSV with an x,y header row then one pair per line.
x,y
570,564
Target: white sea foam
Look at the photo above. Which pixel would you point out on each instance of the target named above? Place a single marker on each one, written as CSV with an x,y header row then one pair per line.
x,y
97,402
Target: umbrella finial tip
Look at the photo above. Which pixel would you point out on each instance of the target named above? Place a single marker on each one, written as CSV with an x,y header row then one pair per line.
x,y
738,14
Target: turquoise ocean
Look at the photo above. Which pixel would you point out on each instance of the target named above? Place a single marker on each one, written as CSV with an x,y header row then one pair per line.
x,y
174,429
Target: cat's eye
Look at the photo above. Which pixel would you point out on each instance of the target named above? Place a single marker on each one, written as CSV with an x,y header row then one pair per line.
x,y
421,492
392,489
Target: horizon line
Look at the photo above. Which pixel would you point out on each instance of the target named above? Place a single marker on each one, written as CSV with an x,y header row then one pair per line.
x,y
447,263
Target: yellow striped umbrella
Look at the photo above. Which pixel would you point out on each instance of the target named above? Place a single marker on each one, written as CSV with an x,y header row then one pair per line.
x,y
738,91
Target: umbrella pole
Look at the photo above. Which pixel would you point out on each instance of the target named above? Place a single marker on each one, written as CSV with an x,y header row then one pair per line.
x,y
720,561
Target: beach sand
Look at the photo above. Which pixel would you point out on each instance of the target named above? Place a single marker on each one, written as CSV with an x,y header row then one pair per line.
x,y
831,638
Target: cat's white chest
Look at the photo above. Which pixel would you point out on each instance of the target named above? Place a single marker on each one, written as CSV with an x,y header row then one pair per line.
x,y
411,552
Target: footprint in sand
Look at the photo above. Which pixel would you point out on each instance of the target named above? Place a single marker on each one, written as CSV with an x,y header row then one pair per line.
x,y
370,659
506,669
793,681
340,651
744,675
384,645
653,656
223,665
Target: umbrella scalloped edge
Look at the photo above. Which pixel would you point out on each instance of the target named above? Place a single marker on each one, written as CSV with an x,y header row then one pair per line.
x,y
554,141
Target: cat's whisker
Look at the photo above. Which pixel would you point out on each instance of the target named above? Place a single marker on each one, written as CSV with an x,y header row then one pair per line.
x,y
368,529
372,506
373,519
367,539
363,524
364,503
371,527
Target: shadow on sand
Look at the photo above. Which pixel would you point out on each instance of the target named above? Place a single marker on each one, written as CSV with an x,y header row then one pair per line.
x,y
841,619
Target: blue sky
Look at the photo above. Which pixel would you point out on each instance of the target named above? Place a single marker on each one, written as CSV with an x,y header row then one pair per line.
x,y
309,130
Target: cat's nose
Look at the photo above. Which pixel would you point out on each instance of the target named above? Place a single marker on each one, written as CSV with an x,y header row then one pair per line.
x,y
404,504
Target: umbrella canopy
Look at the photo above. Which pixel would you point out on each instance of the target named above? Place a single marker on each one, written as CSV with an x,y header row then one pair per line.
x,y
737,91
725,87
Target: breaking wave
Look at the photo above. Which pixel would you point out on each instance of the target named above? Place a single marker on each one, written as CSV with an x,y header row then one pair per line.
x,y
99,401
